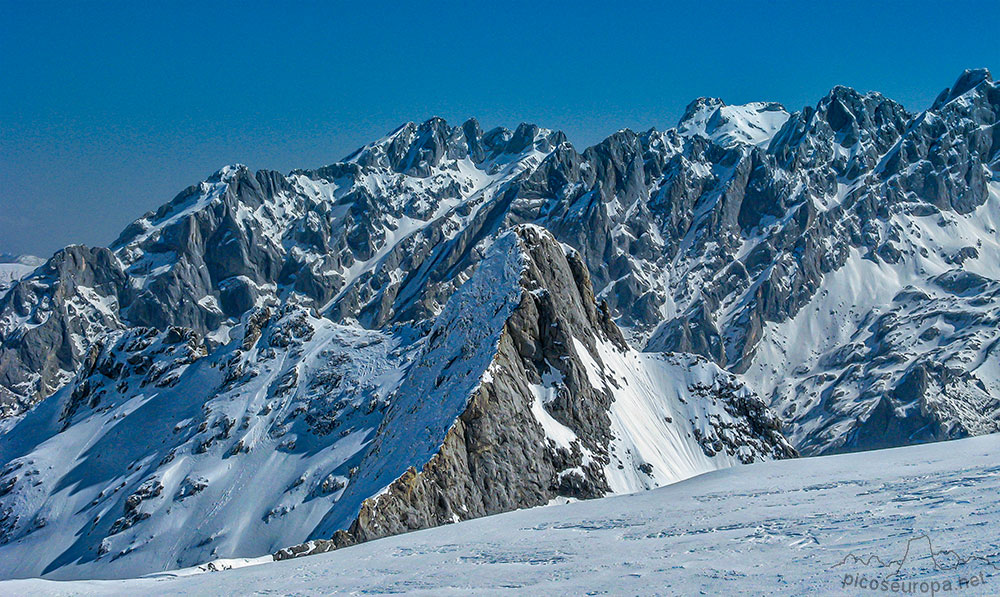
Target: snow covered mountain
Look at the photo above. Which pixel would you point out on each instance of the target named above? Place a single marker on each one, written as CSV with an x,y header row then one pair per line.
x,y
921,514
163,454
398,339
713,238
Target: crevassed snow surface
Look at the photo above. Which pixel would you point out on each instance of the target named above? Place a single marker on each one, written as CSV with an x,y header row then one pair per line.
x,y
786,527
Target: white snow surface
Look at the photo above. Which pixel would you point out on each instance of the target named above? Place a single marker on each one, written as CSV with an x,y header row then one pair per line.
x,y
749,124
793,527
13,269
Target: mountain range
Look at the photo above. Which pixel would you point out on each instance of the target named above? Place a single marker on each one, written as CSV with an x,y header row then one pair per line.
x,y
451,323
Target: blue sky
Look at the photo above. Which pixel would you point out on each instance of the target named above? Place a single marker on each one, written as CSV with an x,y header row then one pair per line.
x,y
108,110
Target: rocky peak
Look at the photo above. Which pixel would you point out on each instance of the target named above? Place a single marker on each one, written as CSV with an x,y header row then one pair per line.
x,y
548,400
967,81
417,150
698,111
49,318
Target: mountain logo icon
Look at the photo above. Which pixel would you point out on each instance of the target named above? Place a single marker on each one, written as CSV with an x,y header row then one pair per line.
x,y
918,549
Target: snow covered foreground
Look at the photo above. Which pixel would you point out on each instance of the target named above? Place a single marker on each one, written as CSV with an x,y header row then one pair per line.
x,y
802,526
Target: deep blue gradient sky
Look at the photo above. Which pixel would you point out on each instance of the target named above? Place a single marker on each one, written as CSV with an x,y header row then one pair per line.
x,y
108,110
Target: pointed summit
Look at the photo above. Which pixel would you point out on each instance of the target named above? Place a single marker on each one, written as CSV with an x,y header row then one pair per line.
x,y
970,78
967,81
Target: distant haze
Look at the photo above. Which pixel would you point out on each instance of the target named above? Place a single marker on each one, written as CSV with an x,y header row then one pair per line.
x,y
107,111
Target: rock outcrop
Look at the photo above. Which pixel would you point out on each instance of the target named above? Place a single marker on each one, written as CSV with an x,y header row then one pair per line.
x,y
541,423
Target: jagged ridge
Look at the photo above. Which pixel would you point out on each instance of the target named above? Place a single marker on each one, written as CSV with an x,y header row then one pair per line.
x,y
768,242
524,391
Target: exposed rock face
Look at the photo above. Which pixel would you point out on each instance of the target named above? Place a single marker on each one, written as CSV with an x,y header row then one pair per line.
x,y
49,320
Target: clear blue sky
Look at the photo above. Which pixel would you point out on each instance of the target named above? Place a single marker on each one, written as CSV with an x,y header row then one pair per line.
x,y
108,110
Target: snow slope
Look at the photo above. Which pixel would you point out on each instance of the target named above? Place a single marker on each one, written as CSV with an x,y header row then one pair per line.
x,y
931,317
754,123
204,457
15,267
783,527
